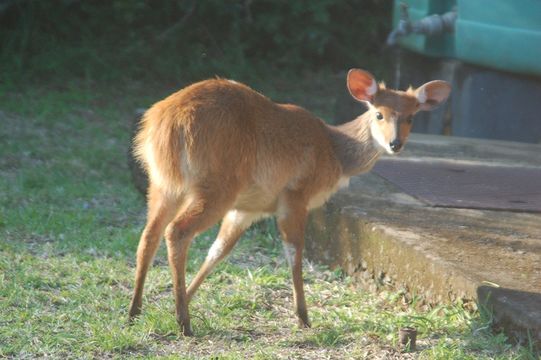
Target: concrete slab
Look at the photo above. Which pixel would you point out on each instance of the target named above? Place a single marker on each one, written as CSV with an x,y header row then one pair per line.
x,y
447,183
374,229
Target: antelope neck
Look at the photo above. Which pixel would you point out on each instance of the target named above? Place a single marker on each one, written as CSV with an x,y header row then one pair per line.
x,y
354,146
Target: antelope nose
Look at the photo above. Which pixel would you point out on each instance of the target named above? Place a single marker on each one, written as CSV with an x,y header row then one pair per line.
x,y
395,145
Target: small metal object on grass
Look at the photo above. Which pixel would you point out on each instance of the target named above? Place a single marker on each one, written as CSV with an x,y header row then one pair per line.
x,y
407,337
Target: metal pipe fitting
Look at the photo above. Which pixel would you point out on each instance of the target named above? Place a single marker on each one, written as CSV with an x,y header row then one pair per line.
x,y
430,26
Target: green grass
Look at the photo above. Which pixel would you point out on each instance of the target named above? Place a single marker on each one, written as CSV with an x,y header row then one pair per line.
x,y
69,226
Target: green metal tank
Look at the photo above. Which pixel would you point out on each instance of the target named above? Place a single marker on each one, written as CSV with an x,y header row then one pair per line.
x,y
501,34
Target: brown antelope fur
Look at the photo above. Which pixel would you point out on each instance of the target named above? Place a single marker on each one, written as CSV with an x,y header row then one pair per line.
x,y
219,150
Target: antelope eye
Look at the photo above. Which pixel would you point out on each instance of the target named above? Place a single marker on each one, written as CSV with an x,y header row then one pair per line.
x,y
409,120
379,116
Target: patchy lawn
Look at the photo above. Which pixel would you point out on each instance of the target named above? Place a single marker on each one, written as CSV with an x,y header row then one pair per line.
x,y
69,226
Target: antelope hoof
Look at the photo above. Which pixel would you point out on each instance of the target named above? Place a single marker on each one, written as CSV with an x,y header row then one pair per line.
x,y
187,330
185,326
133,314
304,323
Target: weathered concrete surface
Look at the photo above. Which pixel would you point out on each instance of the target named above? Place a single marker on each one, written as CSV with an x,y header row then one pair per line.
x,y
374,229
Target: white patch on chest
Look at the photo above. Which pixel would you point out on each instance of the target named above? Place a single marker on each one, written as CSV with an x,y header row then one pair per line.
x,y
320,198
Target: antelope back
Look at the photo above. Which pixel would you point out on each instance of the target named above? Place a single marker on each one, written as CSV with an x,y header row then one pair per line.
x,y
222,134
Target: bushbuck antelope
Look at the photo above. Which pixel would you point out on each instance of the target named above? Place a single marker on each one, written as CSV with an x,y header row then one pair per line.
x,y
220,150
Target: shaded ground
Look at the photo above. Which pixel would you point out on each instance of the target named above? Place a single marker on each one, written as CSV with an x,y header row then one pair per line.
x,y
444,254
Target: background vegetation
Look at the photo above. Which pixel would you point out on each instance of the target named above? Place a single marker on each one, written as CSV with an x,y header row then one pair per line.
x,y
168,40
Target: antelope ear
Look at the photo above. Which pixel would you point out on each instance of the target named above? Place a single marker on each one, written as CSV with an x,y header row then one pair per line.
x,y
361,85
432,94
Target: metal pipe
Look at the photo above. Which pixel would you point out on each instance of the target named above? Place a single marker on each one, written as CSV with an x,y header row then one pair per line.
x,y
430,26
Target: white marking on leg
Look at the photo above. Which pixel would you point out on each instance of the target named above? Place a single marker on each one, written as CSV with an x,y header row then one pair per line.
x,y
240,221
216,250
290,252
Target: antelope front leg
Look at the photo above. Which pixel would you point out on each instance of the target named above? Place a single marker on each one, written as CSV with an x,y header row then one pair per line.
x,y
294,257
292,230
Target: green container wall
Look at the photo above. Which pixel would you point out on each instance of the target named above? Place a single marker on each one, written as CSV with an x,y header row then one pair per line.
x,y
443,45
502,34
